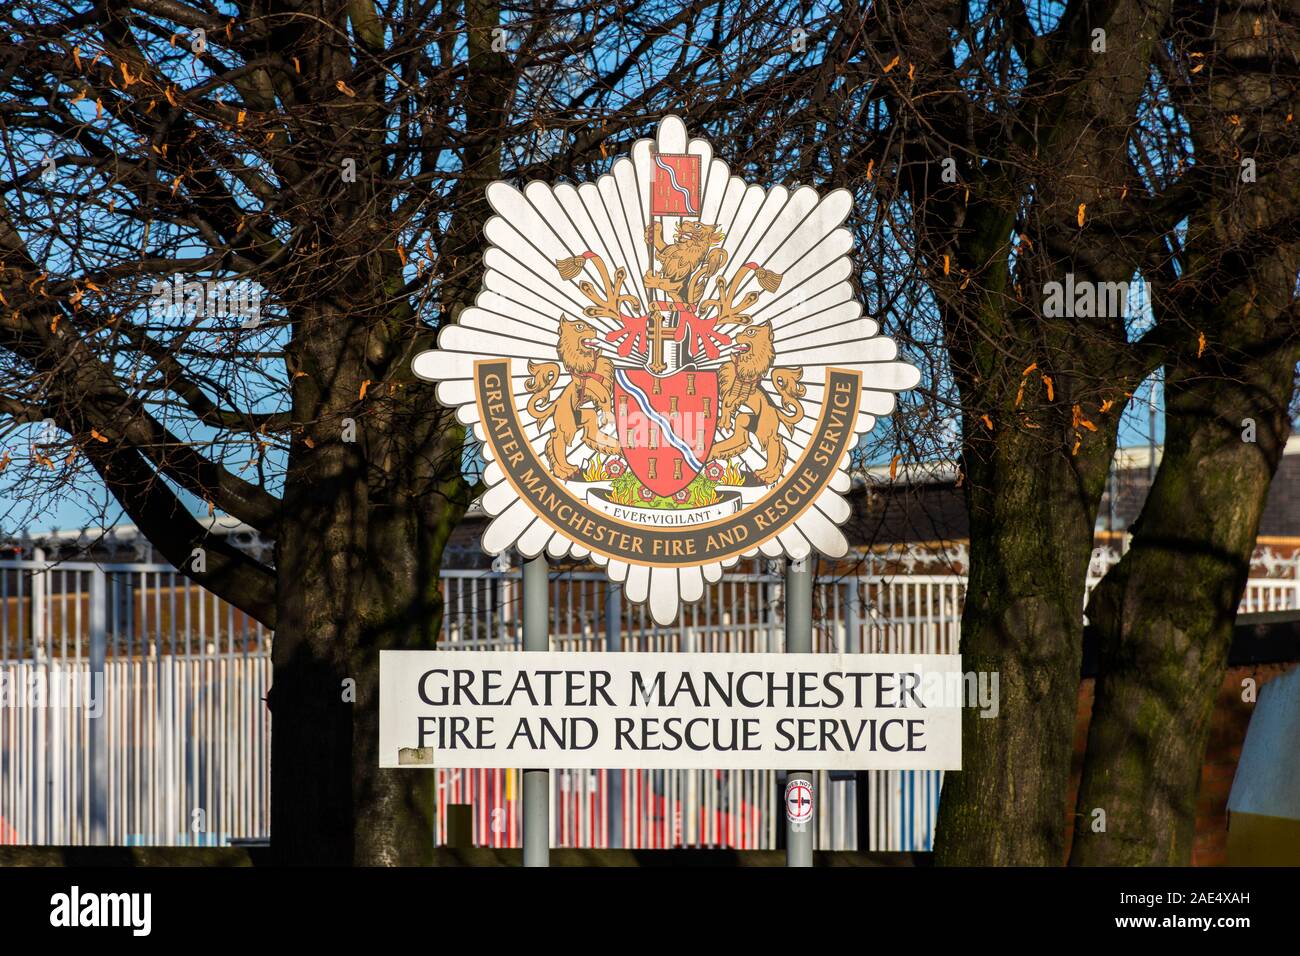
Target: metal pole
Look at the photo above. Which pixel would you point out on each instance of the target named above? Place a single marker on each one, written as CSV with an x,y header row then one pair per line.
x,y
614,778
99,726
1112,510
798,640
537,783
854,645
1151,447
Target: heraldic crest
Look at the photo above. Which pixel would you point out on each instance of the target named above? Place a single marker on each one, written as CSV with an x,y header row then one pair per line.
x,y
667,368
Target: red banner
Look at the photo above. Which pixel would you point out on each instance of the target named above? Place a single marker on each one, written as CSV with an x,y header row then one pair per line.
x,y
675,189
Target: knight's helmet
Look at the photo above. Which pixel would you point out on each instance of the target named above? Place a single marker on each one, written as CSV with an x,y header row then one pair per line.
x,y
677,354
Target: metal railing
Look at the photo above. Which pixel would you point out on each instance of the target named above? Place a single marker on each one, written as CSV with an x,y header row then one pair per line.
x,y
132,706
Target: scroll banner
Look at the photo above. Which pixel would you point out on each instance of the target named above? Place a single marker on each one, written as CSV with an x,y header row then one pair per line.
x,y
670,711
728,504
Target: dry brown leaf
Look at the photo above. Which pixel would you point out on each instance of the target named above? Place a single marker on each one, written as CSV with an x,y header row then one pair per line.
x,y
1080,421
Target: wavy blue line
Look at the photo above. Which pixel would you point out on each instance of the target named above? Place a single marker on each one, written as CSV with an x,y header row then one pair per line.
x,y
664,426
672,177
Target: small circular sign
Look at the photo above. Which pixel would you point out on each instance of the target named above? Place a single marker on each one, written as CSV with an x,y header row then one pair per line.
x,y
798,800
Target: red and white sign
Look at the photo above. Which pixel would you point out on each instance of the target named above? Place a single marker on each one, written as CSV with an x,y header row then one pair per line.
x,y
799,800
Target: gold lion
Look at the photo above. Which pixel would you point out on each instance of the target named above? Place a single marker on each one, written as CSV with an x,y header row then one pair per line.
x,y
687,263
747,409
582,406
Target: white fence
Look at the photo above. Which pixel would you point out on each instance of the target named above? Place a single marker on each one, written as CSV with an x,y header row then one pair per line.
x,y
170,742
131,708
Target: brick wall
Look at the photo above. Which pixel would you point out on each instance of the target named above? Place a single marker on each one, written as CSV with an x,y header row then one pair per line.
x,y
1227,732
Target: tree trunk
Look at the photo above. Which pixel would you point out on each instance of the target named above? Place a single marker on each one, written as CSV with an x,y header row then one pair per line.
x,y
1165,613
1030,542
366,521
1040,390
358,558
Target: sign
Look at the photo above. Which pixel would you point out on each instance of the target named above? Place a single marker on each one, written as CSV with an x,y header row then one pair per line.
x,y
667,370
798,801
669,710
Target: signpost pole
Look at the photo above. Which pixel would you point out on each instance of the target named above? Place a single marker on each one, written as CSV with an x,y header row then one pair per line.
x,y
800,817
614,778
537,783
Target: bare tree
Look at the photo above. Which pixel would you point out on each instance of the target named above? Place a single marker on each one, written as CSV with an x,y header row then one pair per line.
x,y
323,164
1033,160
1165,613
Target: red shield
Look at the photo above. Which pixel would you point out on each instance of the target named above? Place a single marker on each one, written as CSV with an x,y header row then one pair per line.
x,y
666,425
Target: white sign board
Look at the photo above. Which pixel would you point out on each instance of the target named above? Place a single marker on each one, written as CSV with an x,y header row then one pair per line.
x,y
670,711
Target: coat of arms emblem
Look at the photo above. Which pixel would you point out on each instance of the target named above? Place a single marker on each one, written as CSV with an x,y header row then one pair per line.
x,y
668,369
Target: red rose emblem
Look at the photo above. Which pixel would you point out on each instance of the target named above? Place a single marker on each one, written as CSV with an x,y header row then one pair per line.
x,y
682,496
614,468
713,471
646,494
